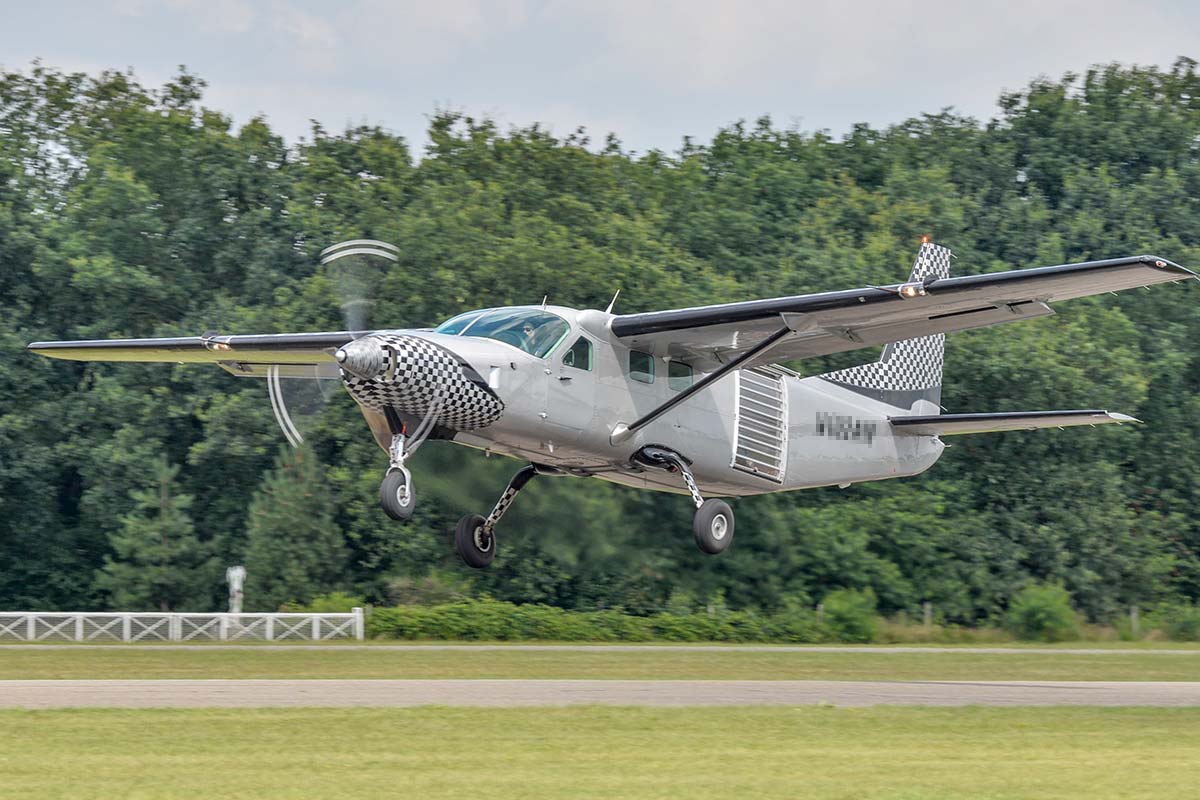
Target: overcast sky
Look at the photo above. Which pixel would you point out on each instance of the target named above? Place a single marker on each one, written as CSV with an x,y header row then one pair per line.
x,y
652,72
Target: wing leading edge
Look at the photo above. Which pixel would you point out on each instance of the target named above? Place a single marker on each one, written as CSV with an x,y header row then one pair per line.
x,y
276,348
953,424
832,322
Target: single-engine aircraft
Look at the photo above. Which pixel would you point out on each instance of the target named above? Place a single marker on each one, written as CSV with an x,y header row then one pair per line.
x,y
690,400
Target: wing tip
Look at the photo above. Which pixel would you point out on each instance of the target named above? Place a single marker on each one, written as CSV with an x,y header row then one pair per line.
x,y
1169,266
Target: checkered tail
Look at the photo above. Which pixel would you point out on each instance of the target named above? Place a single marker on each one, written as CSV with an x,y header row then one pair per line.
x,y
910,370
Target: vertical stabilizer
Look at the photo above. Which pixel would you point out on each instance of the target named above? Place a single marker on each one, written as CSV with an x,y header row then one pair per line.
x,y
911,370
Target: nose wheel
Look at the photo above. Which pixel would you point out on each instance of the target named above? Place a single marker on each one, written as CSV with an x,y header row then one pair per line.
x,y
397,496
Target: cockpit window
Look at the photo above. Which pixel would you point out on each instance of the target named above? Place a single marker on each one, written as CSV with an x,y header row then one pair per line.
x,y
533,330
455,325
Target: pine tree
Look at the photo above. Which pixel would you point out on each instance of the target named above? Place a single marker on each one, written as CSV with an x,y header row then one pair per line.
x,y
295,550
158,562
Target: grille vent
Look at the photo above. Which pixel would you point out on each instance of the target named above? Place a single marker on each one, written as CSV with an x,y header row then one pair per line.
x,y
760,446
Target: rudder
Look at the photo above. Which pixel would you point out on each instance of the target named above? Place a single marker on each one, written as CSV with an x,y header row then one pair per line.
x,y
911,370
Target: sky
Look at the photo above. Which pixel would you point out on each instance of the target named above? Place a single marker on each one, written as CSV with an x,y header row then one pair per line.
x,y
650,72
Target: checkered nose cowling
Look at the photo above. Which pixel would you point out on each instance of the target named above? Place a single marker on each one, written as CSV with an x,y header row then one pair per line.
x,y
417,377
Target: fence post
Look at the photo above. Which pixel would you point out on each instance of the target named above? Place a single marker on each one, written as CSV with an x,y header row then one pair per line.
x,y
31,628
79,628
316,627
126,628
270,627
360,631
223,628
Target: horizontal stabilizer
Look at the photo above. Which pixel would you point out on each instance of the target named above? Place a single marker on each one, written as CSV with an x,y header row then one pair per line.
x,y
952,424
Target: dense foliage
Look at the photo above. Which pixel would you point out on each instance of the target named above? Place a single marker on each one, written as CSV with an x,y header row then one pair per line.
x,y
134,212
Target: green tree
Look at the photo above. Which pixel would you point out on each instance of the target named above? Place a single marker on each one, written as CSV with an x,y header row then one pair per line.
x,y
158,562
294,548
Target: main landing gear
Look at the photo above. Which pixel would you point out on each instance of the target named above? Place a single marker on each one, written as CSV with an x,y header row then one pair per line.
x,y
712,526
475,536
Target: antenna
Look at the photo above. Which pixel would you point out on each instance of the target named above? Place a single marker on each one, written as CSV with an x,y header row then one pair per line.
x,y
612,302
545,297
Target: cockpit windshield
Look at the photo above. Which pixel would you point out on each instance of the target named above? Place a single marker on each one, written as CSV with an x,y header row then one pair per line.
x,y
534,331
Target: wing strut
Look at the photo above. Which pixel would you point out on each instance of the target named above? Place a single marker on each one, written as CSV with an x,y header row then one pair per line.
x,y
622,431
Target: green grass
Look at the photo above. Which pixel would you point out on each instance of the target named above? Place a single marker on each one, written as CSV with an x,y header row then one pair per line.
x,y
430,753
682,663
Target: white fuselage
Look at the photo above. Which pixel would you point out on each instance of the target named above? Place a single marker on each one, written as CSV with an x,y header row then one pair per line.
x,y
748,433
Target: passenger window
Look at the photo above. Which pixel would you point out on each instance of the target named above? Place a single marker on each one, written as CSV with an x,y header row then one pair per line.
x,y
641,366
580,355
679,375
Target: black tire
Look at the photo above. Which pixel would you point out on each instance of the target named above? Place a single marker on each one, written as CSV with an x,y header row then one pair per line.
x,y
475,547
713,526
397,496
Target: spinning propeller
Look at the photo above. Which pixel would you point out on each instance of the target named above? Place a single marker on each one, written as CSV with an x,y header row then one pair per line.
x,y
300,393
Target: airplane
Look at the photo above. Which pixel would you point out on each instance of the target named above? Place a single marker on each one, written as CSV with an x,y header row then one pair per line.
x,y
692,401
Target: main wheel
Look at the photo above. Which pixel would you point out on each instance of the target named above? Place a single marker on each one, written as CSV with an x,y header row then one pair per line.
x,y
397,496
475,545
713,526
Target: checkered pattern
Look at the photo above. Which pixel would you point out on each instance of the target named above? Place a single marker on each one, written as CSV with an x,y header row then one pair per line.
x,y
913,364
426,376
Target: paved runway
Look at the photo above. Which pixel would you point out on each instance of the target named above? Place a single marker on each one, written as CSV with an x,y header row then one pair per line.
x,y
398,693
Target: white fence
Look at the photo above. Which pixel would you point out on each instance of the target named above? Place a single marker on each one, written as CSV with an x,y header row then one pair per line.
x,y
86,626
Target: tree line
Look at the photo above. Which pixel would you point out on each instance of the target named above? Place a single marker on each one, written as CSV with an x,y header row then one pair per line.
x,y
135,211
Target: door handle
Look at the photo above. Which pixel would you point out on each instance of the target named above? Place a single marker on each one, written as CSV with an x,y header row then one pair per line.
x,y
564,377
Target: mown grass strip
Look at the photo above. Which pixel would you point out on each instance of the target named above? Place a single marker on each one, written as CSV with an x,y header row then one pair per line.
x,y
431,753
681,663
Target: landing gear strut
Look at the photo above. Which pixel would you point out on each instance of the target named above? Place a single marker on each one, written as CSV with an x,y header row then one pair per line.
x,y
712,526
475,536
396,494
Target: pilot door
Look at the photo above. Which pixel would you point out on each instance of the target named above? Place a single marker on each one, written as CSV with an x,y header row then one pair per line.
x,y
571,392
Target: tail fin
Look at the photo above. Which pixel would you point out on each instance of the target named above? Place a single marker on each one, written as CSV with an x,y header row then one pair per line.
x,y
911,370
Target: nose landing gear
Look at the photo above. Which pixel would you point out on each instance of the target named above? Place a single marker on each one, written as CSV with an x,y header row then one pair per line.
x,y
396,494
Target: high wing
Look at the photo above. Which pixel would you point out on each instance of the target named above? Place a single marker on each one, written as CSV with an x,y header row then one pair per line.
x,y
831,322
952,424
242,355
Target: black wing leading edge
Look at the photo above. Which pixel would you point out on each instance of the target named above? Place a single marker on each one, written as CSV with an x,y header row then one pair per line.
x,y
831,322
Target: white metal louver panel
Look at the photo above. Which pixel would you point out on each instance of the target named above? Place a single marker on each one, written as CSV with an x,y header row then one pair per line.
x,y
760,443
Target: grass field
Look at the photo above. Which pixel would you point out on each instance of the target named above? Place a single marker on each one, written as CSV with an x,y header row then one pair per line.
x,y
893,753
17,662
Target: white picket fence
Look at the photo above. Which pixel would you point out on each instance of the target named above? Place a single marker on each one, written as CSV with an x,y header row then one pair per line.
x,y
145,626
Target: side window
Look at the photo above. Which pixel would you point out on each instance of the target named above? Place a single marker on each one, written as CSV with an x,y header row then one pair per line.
x,y
580,354
641,366
679,375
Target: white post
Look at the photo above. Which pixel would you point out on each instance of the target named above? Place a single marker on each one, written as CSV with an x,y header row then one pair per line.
x,y
79,628
126,628
360,631
316,627
31,627
223,628
236,578
174,628
270,627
